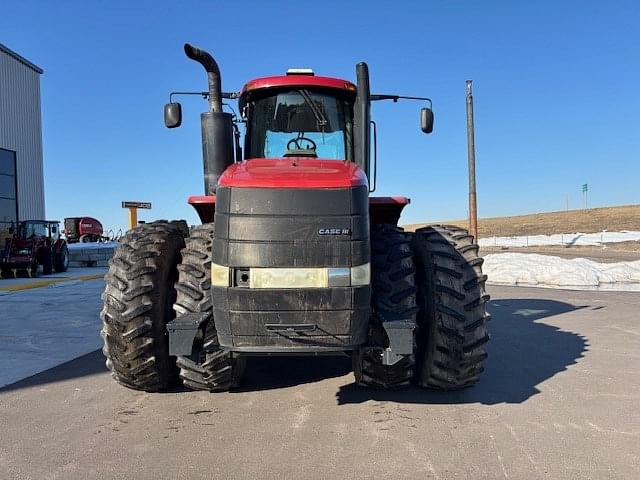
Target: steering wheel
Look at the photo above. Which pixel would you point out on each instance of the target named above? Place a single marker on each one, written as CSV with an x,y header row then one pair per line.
x,y
296,141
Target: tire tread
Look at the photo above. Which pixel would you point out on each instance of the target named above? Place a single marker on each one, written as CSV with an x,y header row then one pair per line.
x,y
137,304
393,297
452,303
209,368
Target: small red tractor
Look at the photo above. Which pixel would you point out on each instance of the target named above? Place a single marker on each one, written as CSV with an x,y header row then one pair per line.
x,y
32,244
294,256
83,230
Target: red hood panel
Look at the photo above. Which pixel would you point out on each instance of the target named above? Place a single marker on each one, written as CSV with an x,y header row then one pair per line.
x,y
293,172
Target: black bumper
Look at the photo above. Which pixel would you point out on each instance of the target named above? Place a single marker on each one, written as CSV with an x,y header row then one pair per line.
x,y
291,321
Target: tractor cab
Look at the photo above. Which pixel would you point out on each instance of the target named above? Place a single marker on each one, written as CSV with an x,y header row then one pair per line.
x,y
298,115
38,229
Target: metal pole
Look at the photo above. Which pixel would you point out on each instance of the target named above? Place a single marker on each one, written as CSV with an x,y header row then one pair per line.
x,y
471,154
586,199
133,217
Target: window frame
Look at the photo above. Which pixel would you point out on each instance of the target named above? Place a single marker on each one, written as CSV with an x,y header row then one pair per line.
x,y
15,184
343,96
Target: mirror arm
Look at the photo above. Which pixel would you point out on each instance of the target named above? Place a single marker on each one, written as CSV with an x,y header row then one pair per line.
x,y
205,95
202,94
395,98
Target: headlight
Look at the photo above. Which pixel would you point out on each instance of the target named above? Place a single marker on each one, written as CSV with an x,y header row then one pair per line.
x,y
288,278
219,275
296,277
361,275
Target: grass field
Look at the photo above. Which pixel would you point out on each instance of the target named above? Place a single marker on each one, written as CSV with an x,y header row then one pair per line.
x,y
626,217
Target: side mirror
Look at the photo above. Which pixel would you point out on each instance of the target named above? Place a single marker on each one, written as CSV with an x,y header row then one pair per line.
x,y
426,120
54,229
172,115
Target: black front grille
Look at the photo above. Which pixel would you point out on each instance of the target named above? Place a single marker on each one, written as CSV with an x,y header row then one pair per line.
x,y
274,228
261,227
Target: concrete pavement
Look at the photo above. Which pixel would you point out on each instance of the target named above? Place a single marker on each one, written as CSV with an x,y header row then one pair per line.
x,y
48,325
559,399
10,285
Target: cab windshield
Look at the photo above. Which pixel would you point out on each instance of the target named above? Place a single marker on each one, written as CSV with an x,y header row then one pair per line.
x,y
37,229
300,123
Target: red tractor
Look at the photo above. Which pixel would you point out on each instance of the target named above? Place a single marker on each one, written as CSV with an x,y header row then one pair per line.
x,y
294,256
83,229
33,244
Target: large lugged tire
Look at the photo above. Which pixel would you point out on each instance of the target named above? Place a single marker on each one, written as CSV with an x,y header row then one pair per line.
x,y
138,303
61,259
452,317
393,297
46,260
208,367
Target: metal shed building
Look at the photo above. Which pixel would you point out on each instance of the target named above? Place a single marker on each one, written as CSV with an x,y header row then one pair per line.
x,y
21,169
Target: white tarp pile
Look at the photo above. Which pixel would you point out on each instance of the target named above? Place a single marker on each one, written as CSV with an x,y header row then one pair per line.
x,y
550,271
560,239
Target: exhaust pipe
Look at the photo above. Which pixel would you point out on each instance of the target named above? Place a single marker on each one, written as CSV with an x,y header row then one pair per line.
x,y
361,118
213,74
216,125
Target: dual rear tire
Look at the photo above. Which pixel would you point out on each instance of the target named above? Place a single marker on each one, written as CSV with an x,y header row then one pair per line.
x,y
157,271
433,276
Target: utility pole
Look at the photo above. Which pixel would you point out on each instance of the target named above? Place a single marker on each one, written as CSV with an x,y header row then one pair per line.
x,y
585,190
471,155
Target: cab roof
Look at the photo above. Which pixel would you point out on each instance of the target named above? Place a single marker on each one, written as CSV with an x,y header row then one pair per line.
x,y
302,80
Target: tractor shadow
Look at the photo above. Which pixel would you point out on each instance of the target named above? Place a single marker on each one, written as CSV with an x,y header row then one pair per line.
x,y
84,366
267,373
523,353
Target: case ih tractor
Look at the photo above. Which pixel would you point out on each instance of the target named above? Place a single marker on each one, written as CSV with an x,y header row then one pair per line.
x,y
293,257
34,243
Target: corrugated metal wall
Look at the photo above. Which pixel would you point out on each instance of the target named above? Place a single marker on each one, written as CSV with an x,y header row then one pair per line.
x,y
21,131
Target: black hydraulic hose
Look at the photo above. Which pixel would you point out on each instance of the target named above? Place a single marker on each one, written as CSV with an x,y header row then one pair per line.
x,y
213,74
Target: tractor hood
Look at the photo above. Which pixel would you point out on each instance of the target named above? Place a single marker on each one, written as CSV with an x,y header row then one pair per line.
x,y
293,172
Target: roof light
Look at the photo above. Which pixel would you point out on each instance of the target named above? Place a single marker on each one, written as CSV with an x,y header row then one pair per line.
x,y
300,71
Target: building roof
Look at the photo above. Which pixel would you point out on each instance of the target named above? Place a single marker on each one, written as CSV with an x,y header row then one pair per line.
x,y
21,59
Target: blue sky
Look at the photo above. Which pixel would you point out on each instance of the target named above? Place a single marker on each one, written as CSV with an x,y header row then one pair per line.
x,y
555,83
